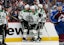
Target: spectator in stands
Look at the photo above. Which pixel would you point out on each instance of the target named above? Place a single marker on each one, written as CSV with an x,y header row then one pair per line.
x,y
30,2
15,16
41,1
20,4
35,4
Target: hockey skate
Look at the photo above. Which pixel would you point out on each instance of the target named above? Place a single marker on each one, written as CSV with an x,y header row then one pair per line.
x,y
4,44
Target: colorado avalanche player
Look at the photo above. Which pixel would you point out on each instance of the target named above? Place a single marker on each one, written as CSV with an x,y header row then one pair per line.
x,y
57,17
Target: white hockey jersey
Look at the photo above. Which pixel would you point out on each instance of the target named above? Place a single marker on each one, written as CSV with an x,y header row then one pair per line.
x,y
29,16
3,19
43,17
32,18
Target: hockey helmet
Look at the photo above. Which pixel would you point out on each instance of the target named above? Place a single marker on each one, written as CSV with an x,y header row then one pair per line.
x,y
40,5
27,6
32,7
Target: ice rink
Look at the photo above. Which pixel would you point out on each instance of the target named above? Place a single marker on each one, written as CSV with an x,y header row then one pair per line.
x,y
47,37
34,43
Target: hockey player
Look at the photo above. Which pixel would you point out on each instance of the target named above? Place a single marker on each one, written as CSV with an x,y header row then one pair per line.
x,y
42,13
57,17
41,19
33,23
3,23
38,19
23,16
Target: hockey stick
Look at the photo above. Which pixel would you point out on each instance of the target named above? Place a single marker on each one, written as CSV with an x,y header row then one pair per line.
x,y
9,15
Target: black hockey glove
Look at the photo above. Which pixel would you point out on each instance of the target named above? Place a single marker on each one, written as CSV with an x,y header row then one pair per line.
x,y
40,15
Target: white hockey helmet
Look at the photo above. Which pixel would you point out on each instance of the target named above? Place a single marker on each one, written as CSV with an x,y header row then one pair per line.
x,y
0,7
32,7
27,6
40,5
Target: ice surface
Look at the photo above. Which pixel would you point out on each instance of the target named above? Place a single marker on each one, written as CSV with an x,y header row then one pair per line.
x,y
34,43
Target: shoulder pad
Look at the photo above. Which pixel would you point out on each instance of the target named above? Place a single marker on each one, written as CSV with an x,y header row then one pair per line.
x,y
55,12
